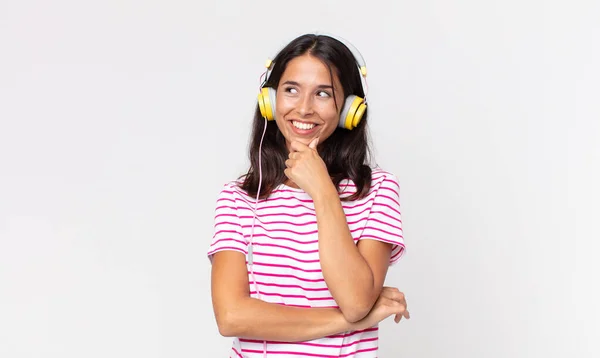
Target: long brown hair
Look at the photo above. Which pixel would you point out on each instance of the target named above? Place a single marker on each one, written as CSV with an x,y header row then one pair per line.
x,y
345,152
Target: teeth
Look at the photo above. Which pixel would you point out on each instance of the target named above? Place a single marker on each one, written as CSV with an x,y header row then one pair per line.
x,y
304,126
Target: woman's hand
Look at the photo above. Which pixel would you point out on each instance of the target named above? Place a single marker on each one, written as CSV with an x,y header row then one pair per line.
x,y
390,302
306,168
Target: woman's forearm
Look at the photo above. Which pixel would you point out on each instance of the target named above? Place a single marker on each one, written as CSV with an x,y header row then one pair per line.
x,y
255,319
347,274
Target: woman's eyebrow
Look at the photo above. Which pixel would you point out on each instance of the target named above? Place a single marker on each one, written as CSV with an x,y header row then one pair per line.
x,y
294,83
325,86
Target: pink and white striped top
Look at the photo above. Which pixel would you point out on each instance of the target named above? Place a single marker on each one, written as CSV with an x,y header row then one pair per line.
x,y
286,255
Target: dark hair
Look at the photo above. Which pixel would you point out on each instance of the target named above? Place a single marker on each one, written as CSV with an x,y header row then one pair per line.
x,y
345,152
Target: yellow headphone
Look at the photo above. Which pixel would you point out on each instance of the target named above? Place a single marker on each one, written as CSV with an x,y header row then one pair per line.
x,y
354,106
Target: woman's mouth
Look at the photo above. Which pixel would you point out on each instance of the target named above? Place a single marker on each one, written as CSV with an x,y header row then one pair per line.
x,y
303,128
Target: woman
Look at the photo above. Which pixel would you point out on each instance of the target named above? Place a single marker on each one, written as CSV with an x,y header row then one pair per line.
x,y
303,241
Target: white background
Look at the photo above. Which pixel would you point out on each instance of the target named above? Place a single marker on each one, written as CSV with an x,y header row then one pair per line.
x,y
121,120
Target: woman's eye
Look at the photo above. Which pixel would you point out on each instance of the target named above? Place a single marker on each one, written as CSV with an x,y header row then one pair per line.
x,y
291,90
323,94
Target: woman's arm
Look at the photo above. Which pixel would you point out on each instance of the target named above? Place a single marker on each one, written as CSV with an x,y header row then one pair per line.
x,y
239,315
354,273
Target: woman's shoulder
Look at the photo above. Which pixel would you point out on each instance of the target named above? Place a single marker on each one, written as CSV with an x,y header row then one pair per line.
x,y
380,176
232,188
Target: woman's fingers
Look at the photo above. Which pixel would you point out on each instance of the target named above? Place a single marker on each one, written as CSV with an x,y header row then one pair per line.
x,y
289,163
397,301
393,294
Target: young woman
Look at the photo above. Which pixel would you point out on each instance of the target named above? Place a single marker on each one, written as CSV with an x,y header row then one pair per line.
x,y
303,240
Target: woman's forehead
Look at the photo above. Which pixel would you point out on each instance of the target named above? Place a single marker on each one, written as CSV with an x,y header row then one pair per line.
x,y
309,70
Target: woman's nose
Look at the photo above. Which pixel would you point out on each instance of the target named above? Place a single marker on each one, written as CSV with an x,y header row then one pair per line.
x,y
305,105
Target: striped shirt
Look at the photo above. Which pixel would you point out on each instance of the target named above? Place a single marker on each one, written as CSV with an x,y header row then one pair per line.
x,y
286,256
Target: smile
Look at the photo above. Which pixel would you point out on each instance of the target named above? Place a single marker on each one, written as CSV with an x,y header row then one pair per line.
x,y
305,126
302,128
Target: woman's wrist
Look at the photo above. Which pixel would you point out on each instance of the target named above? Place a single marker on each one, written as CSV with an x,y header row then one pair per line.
x,y
325,191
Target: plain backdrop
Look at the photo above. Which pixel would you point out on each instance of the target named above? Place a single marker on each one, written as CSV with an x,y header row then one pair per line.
x,y
121,120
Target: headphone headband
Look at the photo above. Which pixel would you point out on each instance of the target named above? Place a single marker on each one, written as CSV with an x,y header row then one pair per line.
x,y
362,65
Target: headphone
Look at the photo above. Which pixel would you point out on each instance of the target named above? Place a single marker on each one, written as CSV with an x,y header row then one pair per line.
x,y
354,106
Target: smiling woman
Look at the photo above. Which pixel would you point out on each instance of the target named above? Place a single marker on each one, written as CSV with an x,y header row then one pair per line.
x,y
326,67
306,107
303,240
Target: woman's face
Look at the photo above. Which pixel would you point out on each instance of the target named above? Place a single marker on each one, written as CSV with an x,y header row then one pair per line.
x,y
305,106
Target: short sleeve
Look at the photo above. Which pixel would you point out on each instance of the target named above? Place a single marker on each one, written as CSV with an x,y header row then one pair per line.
x,y
227,234
384,222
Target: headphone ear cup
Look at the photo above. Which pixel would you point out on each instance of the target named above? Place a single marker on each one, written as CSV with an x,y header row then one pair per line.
x,y
352,112
359,114
266,102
